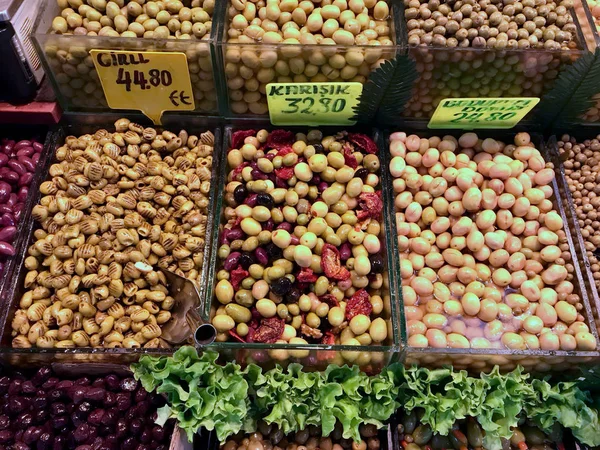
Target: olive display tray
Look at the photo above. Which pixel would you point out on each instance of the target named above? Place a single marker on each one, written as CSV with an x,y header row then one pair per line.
x,y
319,355
25,132
12,290
483,360
578,240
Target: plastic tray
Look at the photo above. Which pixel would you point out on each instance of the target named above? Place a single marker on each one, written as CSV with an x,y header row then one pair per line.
x,y
483,360
245,92
317,356
13,288
74,78
483,72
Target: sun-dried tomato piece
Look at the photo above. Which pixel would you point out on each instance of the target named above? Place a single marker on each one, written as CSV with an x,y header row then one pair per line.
x,y
328,338
238,137
331,265
349,158
285,150
330,300
236,336
285,173
363,142
306,275
370,204
238,170
236,277
280,138
359,303
269,331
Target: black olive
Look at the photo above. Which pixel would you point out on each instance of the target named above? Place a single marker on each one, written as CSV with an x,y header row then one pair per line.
x,y
273,251
318,148
376,263
240,193
265,200
246,260
361,173
281,286
293,295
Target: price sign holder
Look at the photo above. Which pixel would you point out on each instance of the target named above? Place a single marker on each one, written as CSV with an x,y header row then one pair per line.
x,y
151,82
491,112
313,103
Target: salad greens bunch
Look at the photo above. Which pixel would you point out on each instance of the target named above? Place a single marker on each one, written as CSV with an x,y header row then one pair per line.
x,y
229,399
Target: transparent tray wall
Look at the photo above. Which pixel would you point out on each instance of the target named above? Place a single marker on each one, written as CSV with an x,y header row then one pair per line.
x,y
70,68
483,360
473,72
248,68
12,291
313,356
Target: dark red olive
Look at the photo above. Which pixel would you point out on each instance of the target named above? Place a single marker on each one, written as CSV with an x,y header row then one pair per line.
x,y
58,409
96,416
158,433
44,442
82,433
129,444
6,436
112,382
95,394
32,434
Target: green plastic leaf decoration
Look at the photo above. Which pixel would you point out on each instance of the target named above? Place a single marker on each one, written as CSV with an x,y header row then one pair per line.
x,y
389,88
572,92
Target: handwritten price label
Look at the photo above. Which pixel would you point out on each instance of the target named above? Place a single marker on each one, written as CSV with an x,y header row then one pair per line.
x,y
471,113
152,82
313,103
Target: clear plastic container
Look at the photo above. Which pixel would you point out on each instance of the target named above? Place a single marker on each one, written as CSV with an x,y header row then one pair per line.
x,y
484,72
247,68
483,360
69,67
312,356
13,289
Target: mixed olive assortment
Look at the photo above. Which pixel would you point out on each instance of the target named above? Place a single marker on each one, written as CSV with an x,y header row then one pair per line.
x,y
269,437
353,37
467,434
502,24
301,258
73,66
117,206
582,170
484,263
594,6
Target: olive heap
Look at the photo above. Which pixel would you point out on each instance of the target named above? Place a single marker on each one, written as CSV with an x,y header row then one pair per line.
x,y
482,262
269,437
117,206
594,6
353,37
505,24
468,434
582,170
301,251
74,69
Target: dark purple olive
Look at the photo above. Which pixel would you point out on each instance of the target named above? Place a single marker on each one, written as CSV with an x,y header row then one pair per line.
x,y
78,394
20,446
45,442
83,381
40,416
96,417
131,414
142,447
112,382
60,422
6,436
294,295
246,260
235,234
7,220
97,443
123,401
59,443
15,387
65,384
19,435
110,398
377,264
266,200
136,426
5,191
129,444
4,422
232,261
84,409
76,419
140,395
261,256
95,394
158,433
84,447
58,409
55,395
345,251
121,429
27,387
24,420
40,401
82,433
32,434
17,405
281,286
4,385
142,408
239,193
98,383
111,440
110,417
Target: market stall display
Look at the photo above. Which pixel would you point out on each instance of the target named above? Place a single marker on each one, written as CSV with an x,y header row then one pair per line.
x,y
157,26
115,208
485,258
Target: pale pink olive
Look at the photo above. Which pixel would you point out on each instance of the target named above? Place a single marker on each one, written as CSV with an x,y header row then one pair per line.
x,y
436,338
585,341
418,340
566,312
549,341
415,327
533,324
547,313
456,340
567,342
513,341
488,310
422,286
480,342
437,321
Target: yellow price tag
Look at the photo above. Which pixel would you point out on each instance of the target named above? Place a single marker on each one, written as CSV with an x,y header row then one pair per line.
x,y
151,82
471,113
313,103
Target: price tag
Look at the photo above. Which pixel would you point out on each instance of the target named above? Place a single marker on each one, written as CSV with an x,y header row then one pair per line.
x,y
313,103
152,82
471,113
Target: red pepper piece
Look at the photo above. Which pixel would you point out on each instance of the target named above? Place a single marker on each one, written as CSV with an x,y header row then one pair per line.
x,y
269,331
328,338
331,265
280,138
236,336
238,137
236,277
330,300
285,173
359,303
238,170
371,205
349,157
306,275
363,142
285,150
